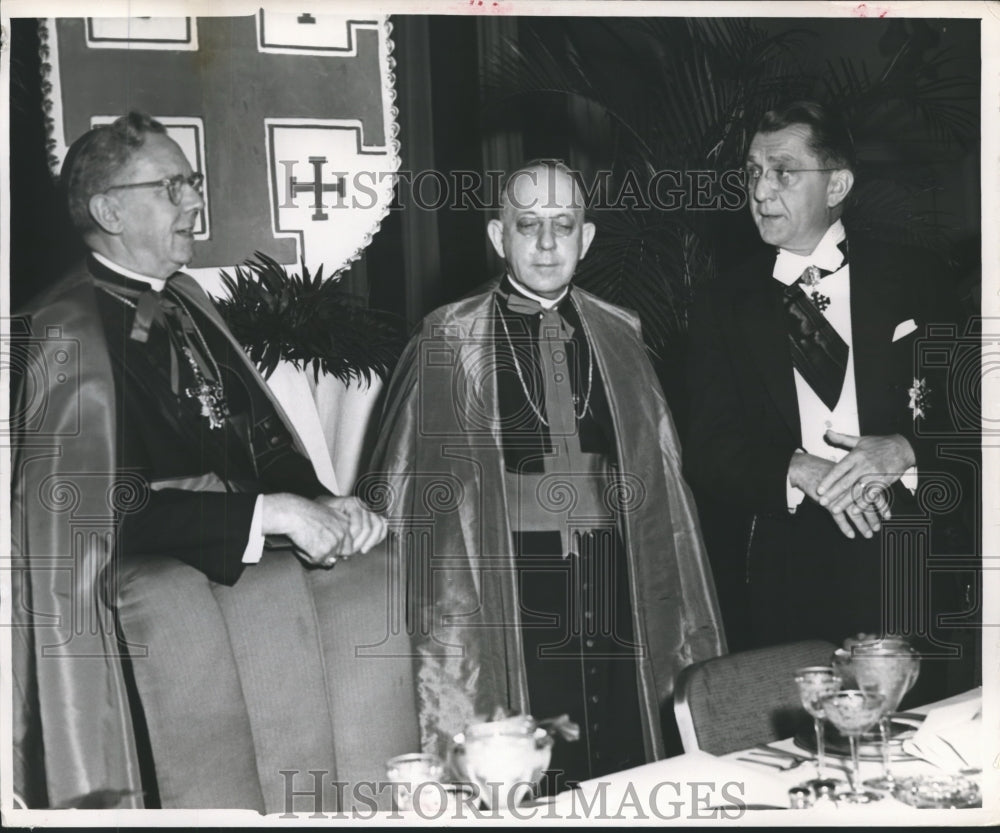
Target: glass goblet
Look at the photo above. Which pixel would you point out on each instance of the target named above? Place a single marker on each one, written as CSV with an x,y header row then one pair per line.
x,y
843,666
854,712
816,682
409,772
888,667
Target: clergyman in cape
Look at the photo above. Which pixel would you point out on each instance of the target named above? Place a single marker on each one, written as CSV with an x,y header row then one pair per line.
x,y
145,436
532,477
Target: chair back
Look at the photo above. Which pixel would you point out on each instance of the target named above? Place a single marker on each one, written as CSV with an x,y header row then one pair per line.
x,y
246,690
736,701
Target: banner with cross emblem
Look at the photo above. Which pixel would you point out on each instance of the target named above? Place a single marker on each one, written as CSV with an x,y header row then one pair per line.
x,y
290,117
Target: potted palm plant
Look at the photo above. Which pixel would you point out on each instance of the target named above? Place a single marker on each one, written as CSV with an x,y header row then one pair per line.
x,y
684,96
324,353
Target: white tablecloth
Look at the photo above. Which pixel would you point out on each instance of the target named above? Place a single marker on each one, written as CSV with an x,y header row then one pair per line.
x,y
686,788
699,788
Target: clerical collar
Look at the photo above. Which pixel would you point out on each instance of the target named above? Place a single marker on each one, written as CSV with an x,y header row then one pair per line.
x,y
827,255
156,284
544,303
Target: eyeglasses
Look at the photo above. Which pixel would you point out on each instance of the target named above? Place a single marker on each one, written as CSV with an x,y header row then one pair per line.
x,y
782,177
531,226
174,185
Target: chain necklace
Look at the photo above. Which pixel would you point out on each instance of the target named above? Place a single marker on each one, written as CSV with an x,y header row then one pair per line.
x,y
524,386
124,299
211,395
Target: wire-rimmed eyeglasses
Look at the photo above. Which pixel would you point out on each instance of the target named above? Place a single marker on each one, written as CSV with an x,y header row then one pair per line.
x,y
782,177
174,185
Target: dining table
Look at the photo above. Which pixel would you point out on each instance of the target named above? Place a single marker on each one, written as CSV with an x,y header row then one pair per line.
x,y
950,740
752,785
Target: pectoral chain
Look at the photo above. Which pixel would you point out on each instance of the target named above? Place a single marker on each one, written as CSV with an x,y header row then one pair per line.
x,y
211,395
524,385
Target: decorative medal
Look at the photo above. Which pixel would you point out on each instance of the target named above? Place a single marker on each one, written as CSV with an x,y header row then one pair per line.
x,y
919,395
811,276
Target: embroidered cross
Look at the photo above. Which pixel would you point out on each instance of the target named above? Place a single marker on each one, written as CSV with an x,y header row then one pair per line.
x,y
820,300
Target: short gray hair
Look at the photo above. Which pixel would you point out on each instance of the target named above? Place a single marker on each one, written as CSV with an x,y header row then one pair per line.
x,y
97,156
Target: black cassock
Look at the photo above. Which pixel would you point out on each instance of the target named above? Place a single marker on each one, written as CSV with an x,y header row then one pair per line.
x,y
576,610
203,481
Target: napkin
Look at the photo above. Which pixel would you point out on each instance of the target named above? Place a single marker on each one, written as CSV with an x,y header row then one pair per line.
x,y
687,786
951,737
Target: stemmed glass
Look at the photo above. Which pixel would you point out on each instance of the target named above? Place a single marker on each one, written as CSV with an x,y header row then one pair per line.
x,y
854,712
816,682
888,667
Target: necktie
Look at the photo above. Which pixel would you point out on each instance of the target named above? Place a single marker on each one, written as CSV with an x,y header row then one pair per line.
x,y
818,351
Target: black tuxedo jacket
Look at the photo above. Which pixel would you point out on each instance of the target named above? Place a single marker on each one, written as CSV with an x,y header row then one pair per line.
x,y
785,576
744,419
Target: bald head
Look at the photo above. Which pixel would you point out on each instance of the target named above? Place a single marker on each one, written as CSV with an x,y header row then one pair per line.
x,y
539,184
541,232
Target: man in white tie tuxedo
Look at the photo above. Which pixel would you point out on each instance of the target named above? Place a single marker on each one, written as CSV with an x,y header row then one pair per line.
x,y
804,398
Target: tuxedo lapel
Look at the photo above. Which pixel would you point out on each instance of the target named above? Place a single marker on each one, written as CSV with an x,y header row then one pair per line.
x,y
874,313
762,320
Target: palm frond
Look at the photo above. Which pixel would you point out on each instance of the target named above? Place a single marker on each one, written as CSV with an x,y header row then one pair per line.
x,y
686,95
309,322
650,263
908,107
887,210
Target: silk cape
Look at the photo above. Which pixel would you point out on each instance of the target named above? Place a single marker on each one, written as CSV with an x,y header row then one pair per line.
x,y
73,738
440,465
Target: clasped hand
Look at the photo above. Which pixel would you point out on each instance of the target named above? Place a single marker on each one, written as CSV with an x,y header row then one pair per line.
x,y
323,529
854,490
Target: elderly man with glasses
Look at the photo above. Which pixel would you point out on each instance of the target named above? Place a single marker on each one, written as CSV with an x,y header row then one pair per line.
x,y
155,412
804,401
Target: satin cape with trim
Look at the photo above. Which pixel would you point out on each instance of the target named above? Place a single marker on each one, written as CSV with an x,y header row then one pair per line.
x,y
72,730
440,468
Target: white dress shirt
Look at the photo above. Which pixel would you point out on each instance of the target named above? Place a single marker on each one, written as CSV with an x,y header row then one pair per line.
x,y
815,418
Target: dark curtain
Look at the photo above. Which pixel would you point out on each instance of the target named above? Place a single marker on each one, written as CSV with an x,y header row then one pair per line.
x,y
42,242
